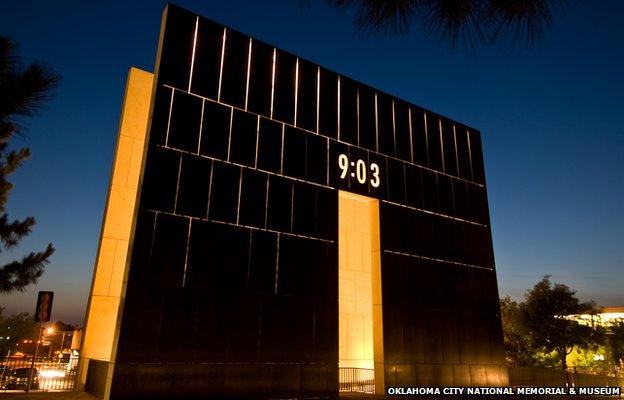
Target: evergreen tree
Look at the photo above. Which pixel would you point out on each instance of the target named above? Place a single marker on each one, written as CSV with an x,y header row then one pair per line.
x,y
474,22
22,93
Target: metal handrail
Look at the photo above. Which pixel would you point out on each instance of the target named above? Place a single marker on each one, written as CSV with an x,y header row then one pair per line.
x,y
51,374
360,380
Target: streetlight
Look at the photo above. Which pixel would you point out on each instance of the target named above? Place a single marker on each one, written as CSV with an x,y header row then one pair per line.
x,y
51,330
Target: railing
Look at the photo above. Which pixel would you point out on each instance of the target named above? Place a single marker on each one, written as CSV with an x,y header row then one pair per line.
x,y
361,380
48,374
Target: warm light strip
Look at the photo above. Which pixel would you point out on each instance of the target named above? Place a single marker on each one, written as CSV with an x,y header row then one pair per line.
x,y
292,206
277,262
441,145
257,141
318,97
212,167
175,201
433,213
169,117
296,89
338,119
221,67
438,259
216,221
426,136
411,133
394,128
246,167
193,54
188,244
149,258
273,82
346,143
456,153
230,133
266,204
357,111
405,181
318,185
282,152
240,190
327,179
470,155
201,126
248,72
376,126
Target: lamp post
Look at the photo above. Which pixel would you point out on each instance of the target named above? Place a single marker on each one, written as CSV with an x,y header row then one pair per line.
x,y
32,363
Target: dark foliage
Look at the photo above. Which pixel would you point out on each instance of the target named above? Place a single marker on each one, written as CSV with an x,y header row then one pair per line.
x,y
23,91
547,308
616,342
15,328
473,22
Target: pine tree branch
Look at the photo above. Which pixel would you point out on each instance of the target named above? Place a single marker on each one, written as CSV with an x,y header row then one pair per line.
x,y
16,275
12,232
13,160
5,188
22,91
472,22
8,56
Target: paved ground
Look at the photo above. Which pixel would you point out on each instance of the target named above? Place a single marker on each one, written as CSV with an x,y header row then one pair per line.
x,y
47,396
343,396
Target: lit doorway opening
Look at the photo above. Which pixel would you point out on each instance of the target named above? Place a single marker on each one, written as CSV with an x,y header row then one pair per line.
x,y
360,332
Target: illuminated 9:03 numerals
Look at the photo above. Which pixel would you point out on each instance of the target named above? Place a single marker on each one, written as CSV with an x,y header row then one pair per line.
x,y
358,170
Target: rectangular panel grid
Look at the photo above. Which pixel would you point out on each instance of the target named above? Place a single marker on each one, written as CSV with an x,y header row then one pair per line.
x,y
248,148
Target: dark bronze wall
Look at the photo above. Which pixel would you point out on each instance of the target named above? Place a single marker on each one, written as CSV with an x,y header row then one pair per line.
x,y
232,289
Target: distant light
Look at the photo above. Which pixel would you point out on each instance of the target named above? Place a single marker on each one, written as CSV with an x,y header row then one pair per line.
x,y
50,331
52,373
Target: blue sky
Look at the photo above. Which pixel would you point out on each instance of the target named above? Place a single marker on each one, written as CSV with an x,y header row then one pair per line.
x,y
550,116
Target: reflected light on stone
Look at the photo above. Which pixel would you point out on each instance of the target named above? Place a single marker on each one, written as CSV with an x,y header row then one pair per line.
x,y
358,248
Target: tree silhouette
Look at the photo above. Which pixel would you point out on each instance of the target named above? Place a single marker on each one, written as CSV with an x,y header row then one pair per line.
x,y
22,93
546,307
519,348
14,328
474,22
616,343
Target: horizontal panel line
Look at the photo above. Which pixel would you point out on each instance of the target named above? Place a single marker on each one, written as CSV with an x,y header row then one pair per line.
x,y
243,165
438,259
316,184
239,225
434,213
327,137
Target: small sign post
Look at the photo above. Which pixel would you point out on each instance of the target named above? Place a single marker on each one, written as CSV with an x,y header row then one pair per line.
x,y
42,314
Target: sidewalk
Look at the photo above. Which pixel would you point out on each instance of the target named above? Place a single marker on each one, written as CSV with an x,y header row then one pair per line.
x,y
47,396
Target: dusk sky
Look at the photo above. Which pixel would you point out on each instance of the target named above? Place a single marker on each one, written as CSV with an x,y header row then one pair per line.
x,y
551,117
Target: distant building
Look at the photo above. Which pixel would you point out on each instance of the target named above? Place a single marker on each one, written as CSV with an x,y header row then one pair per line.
x,y
76,339
606,317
